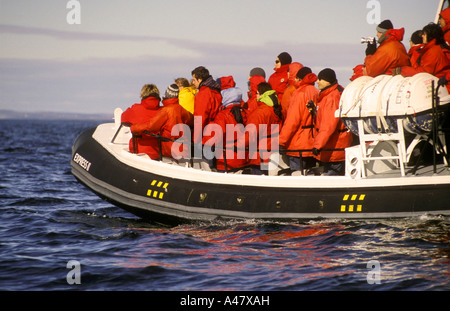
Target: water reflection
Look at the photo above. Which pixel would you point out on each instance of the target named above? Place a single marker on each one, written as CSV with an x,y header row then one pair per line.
x,y
288,255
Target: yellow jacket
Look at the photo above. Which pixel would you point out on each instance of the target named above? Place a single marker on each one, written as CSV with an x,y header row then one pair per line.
x,y
186,98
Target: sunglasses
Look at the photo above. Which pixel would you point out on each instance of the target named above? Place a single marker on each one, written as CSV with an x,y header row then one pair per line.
x,y
277,61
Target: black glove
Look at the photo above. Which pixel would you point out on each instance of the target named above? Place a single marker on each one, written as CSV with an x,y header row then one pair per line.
x,y
442,81
315,151
371,48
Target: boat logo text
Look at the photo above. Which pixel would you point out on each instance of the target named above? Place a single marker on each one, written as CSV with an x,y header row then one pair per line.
x,y
82,162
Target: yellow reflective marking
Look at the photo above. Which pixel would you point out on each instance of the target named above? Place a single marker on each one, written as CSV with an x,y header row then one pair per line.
x,y
352,207
159,184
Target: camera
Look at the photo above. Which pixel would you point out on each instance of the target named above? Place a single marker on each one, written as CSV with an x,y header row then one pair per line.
x,y
310,104
370,40
311,107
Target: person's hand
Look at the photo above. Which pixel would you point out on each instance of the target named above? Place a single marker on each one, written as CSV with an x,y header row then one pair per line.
x,y
442,81
371,48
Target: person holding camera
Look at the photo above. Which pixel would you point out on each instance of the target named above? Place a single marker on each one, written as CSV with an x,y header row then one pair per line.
x,y
390,54
297,130
330,132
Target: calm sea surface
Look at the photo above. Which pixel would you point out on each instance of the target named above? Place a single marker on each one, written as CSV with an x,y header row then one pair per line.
x,y
56,235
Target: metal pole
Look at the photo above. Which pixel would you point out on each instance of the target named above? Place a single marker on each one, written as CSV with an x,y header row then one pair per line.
x,y
434,123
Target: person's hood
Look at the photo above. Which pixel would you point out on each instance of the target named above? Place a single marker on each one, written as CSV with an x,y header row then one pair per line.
x,y
170,101
226,82
393,34
357,72
445,14
150,102
310,78
231,96
254,81
293,69
266,99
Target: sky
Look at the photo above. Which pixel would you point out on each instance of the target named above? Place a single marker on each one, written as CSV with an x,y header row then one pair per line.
x,y
52,61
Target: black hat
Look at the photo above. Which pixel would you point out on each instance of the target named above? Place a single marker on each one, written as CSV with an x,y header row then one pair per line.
x,y
303,72
327,74
384,26
285,58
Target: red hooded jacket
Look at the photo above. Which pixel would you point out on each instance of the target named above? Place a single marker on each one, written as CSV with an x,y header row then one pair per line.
x,y
252,103
265,116
445,14
330,132
389,55
357,72
430,58
235,159
140,113
227,82
292,86
279,80
206,104
297,131
162,124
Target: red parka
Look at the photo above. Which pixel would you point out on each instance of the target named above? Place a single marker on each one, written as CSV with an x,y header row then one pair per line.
x,y
430,58
231,139
330,132
162,124
206,104
389,55
297,131
252,103
140,113
445,14
279,80
292,86
259,132
357,72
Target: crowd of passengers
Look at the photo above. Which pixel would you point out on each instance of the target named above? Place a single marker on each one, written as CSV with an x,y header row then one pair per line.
x,y
305,115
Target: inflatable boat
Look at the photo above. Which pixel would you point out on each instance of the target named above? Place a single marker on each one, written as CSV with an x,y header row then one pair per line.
x,y
398,169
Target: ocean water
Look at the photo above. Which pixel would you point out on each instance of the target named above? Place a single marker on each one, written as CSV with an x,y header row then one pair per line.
x,y
56,235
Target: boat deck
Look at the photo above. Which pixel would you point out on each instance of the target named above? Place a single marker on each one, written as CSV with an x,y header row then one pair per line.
x,y
441,170
119,147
